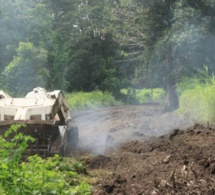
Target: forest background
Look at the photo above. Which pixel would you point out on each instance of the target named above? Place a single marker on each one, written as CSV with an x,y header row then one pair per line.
x,y
105,45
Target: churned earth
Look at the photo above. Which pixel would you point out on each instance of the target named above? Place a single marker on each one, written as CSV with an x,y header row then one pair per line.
x,y
141,150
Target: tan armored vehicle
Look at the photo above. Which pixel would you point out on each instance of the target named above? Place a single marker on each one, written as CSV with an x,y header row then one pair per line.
x,y
48,120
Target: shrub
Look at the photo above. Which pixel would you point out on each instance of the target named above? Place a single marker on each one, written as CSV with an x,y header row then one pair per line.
x,y
36,175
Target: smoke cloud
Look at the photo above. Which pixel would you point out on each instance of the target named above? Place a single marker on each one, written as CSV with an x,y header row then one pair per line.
x,y
108,128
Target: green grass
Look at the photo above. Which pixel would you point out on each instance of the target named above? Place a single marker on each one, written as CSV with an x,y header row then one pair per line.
x,y
197,97
199,102
98,99
95,99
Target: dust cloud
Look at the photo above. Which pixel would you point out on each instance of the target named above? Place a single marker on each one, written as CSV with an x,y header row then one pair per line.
x,y
109,127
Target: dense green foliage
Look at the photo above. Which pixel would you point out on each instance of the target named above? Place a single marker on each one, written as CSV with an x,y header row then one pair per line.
x,y
27,68
104,45
36,175
196,97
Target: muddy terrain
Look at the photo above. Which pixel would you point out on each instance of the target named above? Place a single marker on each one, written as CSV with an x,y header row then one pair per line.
x,y
141,150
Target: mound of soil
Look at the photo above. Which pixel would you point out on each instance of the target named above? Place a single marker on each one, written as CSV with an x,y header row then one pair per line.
x,y
181,162
133,151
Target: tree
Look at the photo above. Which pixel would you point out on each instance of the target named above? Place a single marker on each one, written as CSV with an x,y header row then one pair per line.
x,y
21,21
58,58
93,62
27,70
123,20
176,38
185,46
87,60
141,32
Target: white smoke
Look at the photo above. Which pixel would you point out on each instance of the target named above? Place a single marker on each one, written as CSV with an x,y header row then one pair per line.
x,y
104,128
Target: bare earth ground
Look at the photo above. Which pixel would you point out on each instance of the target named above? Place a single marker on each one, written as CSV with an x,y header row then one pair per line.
x,y
140,150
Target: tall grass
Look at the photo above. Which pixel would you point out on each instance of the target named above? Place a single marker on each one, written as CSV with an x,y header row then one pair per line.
x,y
197,96
95,99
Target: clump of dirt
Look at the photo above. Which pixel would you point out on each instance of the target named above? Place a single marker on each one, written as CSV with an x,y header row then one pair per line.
x,y
115,184
98,162
180,162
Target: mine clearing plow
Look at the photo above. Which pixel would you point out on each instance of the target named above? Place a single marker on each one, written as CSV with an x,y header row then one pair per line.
x,y
48,120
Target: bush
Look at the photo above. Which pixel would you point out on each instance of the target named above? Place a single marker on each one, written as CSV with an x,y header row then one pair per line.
x,y
36,175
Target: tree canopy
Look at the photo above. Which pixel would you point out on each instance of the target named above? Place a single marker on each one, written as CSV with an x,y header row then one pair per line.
x,y
106,45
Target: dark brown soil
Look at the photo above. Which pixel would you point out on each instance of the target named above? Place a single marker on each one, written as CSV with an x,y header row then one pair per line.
x,y
175,161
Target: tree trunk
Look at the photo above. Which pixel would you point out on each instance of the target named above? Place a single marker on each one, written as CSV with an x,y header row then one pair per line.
x,y
172,97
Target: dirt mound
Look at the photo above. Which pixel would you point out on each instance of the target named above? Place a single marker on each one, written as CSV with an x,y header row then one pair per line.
x,y
146,158
98,162
116,184
180,162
